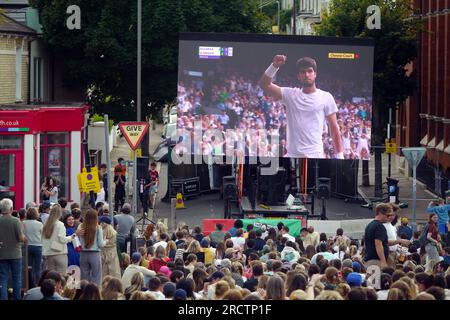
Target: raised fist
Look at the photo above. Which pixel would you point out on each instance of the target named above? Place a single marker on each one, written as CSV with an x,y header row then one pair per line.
x,y
279,60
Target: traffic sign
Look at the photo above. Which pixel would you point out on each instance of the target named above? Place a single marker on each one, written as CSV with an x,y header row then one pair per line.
x,y
414,155
133,132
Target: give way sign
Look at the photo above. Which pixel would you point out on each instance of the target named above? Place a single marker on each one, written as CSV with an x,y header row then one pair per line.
x,y
133,132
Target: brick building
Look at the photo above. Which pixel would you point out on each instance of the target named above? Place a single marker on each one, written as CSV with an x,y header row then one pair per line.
x,y
15,41
424,119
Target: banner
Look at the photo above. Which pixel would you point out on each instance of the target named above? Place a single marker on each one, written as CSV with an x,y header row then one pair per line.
x,y
294,225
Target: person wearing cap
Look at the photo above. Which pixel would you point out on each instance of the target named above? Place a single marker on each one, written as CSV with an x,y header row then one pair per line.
x,y
180,294
404,228
126,227
110,258
44,214
133,268
354,279
169,289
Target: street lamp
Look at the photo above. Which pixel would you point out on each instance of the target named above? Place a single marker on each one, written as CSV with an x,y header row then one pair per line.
x,y
278,20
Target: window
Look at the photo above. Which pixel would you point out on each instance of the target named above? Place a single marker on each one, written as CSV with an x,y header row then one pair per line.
x,y
10,142
19,73
55,160
37,79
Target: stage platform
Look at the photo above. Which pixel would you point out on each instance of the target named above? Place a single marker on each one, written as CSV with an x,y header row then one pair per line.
x,y
274,212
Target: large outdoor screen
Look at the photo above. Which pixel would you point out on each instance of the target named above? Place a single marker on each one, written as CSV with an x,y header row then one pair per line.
x,y
318,104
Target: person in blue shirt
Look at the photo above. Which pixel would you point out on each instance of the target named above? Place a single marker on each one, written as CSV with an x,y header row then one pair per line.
x,y
441,209
238,224
404,228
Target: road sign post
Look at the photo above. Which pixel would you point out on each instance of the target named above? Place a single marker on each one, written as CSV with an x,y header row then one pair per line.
x,y
134,132
414,156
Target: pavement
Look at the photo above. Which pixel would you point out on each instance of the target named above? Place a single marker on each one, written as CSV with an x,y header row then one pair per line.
x,y
405,184
210,206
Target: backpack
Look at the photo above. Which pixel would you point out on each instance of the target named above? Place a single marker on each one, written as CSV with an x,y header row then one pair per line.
x,y
423,236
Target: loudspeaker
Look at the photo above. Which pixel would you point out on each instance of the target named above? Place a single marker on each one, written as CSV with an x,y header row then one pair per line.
x,y
324,188
229,188
142,167
276,187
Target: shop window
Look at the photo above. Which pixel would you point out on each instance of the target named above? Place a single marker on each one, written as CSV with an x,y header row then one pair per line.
x,y
55,160
10,142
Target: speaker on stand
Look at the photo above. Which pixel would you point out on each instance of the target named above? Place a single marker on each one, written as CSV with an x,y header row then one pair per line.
x,y
230,192
324,192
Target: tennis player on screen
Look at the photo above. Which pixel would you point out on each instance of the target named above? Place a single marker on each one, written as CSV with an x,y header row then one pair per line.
x,y
307,108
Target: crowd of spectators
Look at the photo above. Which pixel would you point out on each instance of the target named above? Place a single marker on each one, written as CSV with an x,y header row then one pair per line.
x,y
238,264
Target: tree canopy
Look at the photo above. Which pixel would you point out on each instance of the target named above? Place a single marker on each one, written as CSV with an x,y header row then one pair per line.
x,y
101,56
395,47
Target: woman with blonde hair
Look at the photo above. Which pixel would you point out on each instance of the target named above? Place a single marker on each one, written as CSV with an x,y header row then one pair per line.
x,y
137,284
275,289
113,290
194,247
402,286
396,294
54,242
109,256
222,287
91,238
329,295
140,295
413,289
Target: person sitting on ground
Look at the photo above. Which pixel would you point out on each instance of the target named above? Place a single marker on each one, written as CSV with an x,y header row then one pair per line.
x,y
133,268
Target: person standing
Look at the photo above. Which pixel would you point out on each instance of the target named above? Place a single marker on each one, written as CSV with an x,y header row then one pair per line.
x,y
33,233
91,238
153,187
54,242
441,209
119,193
49,190
432,243
45,211
11,239
72,255
104,178
110,259
126,228
376,239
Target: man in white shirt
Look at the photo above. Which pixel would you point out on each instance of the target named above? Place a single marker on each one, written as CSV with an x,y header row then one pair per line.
x,y
133,268
162,241
392,237
307,108
285,234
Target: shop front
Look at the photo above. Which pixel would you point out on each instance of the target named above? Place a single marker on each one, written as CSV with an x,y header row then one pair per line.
x,y
38,142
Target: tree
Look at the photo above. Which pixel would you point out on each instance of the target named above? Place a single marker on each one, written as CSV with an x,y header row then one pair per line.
x,y
395,47
101,56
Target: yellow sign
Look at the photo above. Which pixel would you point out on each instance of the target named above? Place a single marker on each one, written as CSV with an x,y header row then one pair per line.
x,y
391,146
336,55
89,181
180,202
138,153
275,29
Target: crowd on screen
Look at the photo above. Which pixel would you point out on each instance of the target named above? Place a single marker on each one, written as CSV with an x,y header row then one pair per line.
x,y
240,104
266,263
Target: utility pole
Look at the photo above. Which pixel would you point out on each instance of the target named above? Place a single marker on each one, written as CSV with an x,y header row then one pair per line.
x,y
138,99
294,14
